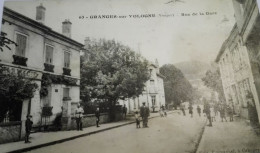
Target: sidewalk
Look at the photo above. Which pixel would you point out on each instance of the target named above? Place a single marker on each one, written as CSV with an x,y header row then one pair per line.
x,y
42,139
231,137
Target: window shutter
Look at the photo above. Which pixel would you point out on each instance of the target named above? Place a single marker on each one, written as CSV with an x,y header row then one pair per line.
x,y
21,44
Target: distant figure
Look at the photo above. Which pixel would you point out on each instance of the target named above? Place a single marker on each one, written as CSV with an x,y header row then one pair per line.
x,y
124,111
164,111
199,110
137,119
222,111
207,112
97,113
212,114
161,112
216,109
79,113
252,111
145,113
230,113
190,110
28,128
182,107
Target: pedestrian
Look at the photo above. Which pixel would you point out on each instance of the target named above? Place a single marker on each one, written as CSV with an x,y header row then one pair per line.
x,y
222,111
145,113
161,112
207,112
97,113
164,111
124,111
216,109
79,114
182,107
212,114
137,119
28,128
190,110
230,113
199,110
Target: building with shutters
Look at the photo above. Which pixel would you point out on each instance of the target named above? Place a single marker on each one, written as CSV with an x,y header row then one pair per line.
x,y
239,61
44,55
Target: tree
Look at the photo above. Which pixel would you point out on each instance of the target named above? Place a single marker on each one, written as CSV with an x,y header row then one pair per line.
x,y
14,89
111,71
212,80
177,88
5,42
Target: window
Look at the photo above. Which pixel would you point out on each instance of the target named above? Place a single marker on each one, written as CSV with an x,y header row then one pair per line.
x,y
21,41
66,92
153,100
152,82
47,99
66,59
48,54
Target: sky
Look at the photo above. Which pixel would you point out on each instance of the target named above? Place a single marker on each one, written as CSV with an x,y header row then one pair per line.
x,y
171,39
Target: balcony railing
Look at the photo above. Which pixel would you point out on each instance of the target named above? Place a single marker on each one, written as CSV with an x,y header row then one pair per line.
x,y
66,71
48,67
19,60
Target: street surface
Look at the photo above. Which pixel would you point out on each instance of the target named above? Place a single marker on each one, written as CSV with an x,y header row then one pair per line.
x,y
172,134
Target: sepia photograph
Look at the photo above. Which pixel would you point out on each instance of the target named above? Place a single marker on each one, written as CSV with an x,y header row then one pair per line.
x,y
130,76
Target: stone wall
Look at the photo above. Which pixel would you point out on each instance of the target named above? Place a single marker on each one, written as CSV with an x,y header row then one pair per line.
x,y
90,120
10,132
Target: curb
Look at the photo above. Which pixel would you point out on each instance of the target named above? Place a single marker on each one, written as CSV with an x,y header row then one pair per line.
x,y
75,137
200,137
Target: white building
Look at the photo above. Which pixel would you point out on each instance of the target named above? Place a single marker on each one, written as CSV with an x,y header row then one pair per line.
x,y
41,53
239,62
153,94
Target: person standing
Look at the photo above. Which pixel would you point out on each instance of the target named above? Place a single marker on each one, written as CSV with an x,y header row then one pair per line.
x,y
190,110
207,112
230,113
145,113
164,111
216,109
137,119
252,112
182,107
28,128
222,111
97,113
199,110
79,114
124,111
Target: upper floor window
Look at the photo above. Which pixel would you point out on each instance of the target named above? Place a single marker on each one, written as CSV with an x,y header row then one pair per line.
x,y
21,41
48,54
66,92
66,59
152,82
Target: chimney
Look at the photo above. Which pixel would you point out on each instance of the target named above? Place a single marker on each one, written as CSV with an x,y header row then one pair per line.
x,y
87,42
66,28
40,13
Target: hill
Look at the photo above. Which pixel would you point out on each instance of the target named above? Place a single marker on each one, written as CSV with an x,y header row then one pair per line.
x,y
193,69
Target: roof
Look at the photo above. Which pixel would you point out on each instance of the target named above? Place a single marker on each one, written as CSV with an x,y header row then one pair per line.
x,y
160,75
40,26
225,43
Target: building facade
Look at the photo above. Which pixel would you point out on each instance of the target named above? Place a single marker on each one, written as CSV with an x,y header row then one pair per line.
x,y
238,59
153,94
41,54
